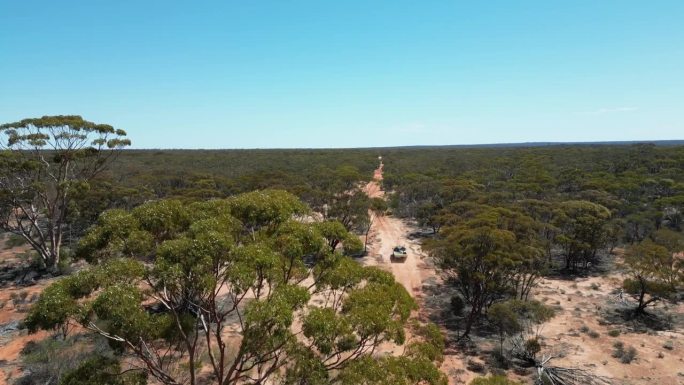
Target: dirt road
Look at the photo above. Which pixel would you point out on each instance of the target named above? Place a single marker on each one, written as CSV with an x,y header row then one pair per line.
x,y
387,232
390,231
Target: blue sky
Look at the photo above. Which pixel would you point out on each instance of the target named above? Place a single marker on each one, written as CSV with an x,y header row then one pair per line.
x,y
290,73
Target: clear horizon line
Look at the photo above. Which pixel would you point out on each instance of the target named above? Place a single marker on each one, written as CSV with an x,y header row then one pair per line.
x,y
495,144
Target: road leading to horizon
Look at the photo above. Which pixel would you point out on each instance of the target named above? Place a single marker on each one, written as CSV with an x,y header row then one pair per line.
x,y
389,231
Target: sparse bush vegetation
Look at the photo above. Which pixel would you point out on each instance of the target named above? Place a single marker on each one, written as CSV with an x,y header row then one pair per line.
x,y
553,207
457,305
103,370
494,380
669,345
244,243
14,240
625,354
618,349
47,361
19,298
532,347
629,355
475,366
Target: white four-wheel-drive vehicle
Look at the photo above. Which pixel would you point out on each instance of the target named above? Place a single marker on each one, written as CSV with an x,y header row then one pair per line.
x,y
399,252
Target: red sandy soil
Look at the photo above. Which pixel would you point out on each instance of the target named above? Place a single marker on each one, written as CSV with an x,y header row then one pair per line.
x,y
390,231
12,343
576,302
577,305
582,301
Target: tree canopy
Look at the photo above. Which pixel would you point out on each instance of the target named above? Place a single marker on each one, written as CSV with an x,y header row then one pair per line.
x,y
43,163
240,287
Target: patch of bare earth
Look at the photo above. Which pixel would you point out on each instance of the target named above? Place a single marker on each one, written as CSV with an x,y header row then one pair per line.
x,y
581,307
580,331
14,303
413,273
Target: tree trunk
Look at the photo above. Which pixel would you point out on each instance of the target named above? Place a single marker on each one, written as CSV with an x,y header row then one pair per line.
x,y
642,304
474,312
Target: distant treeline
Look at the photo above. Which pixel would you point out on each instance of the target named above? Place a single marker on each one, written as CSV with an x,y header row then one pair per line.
x,y
642,184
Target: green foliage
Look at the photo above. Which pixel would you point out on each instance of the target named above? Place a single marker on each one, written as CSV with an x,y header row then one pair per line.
x,y
532,347
117,234
265,208
655,273
49,360
379,309
583,231
350,208
514,316
500,217
45,163
489,255
102,370
625,354
246,258
390,370
457,305
430,343
53,309
504,318
13,240
494,380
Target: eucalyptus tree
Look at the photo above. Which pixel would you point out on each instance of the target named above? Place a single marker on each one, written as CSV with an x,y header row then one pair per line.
x,y
654,274
378,208
235,291
582,231
351,209
492,254
43,162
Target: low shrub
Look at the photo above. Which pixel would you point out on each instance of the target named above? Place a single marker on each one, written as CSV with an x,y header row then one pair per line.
x,y
629,355
494,380
625,354
457,305
475,366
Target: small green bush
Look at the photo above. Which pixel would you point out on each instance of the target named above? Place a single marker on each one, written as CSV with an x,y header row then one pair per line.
x,y
102,370
14,240
475,366
494,380
532,346
614,332
629,355
457,305
625,354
